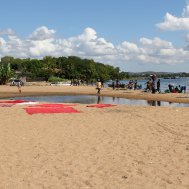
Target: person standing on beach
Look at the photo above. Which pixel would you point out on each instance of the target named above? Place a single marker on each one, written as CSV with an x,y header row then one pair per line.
x,y
98,86
113,85
19,87
102,82
153,77
135,85
158,85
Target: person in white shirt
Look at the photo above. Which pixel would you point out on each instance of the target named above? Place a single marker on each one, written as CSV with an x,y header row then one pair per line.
x,y
98,86
19,87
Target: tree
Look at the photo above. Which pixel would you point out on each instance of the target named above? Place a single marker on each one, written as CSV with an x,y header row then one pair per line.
x,y
71,67
7,59
102,71
49,63
5,73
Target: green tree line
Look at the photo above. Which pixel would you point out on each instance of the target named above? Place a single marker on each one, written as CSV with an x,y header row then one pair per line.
x,y
71,67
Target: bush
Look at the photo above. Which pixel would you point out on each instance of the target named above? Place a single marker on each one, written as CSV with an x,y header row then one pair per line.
x,y
56,79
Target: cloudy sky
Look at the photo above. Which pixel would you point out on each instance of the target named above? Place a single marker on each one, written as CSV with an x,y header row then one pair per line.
x,y
136,35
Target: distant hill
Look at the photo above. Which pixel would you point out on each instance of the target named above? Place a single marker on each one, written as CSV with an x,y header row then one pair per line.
x,y
153,72
158,74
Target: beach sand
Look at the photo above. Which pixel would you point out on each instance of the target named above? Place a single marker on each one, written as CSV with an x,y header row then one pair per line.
x,y
118,147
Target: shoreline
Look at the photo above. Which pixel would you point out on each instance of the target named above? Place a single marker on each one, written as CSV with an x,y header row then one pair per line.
x,y
12,91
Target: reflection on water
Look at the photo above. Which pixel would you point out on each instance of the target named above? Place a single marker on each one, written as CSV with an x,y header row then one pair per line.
x,y
159,103
99,100
89,99
154,103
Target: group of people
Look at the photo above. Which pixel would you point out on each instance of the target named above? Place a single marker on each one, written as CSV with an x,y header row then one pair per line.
x,y
153,87
77,82
177,89
116,84
133,84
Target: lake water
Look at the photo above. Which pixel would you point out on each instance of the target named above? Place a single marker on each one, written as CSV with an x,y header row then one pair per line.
x,y
89,99
164,82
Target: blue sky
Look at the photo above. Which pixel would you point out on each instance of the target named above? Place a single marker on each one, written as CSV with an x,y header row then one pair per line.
x,y
134,35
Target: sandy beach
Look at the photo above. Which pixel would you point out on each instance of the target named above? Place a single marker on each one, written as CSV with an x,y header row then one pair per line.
x,y
119,147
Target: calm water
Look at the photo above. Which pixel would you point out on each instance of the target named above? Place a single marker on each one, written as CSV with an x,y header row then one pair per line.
x,y
164,83
89,99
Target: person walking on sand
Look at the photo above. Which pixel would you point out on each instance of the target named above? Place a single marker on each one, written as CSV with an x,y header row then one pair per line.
x,y
19,87
135,85
98,86
158,86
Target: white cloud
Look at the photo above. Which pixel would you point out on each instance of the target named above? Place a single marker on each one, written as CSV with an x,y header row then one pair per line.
x,y
42,33
168,52
129,47
3,47
172,23
42,48
2,42
185,12
8,31
43,42
155,43
88,34
88,43
187,38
